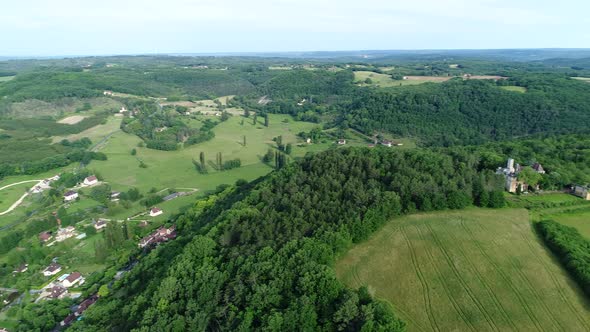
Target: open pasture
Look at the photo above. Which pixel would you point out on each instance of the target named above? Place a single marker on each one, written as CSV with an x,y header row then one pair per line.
x,y
470,270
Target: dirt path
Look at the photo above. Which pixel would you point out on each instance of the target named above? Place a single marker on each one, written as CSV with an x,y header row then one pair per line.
x,y
20,200
17,183
15,205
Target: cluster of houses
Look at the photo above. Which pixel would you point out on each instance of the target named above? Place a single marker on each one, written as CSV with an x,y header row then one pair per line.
x,y
59,288
44,185
72,195
160,235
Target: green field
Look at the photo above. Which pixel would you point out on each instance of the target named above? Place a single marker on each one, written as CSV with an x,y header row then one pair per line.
x,y
96,133
5,78
385,80
585,79
578,219
513,88
174,169
10,195
475,270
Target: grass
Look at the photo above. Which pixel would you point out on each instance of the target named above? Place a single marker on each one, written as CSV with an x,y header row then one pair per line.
x,y
585,79
10,195
579,219
96,133
475,269
171,169
514,88
6,78
385,80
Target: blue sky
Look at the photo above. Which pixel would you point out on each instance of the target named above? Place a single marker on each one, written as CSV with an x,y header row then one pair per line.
x,y
79,27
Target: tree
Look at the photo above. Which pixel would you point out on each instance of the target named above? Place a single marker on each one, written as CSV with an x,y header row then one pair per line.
x,y
266,119
246,113
103,291
133,152
529,176
254,119
288,148
202,158
244,140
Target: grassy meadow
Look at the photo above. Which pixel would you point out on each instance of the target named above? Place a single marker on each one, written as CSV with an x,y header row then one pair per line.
x,y
174,169
476,269
514,88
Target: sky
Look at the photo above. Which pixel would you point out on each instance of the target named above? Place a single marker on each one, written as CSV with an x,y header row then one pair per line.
x,y
107,27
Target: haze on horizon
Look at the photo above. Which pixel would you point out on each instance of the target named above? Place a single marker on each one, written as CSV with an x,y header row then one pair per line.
x,y
72,27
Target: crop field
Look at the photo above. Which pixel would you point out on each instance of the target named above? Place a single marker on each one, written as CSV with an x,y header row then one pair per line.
x,y
470,270
171,169
10,195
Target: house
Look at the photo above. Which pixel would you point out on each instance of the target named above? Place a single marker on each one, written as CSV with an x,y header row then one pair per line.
x,y
538,168
72,279
22,268
3,329
51,270
45,236
85,305
387,143
512,184
341,141
70,196
91,180
172,196
162,234
123,110
100,224
308,141
68,320
582,191
57,292
65,233
107,93
154,212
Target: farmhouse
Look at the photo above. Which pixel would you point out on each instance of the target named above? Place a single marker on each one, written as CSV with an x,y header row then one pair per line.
x,y
22,268
91,180
582,191
70,196
341,141
57,292
85,304
162,234
45,236
100,224
387,143
154,212
52,269
538,168
107,93
65,233
172,196
123,110
72,279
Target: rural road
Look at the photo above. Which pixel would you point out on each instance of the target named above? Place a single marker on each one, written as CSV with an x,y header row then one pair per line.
x,y
17,183
20,200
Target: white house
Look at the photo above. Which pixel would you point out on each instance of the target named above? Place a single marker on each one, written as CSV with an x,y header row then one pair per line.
x,y
100,224
52,269
341,141
70,196
72,279
154,212
91,180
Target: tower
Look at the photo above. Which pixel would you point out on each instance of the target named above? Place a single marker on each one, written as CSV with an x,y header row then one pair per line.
x,y
510,165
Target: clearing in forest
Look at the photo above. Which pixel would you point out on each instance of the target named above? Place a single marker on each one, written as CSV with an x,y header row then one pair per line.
x,y
470,270
72,119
